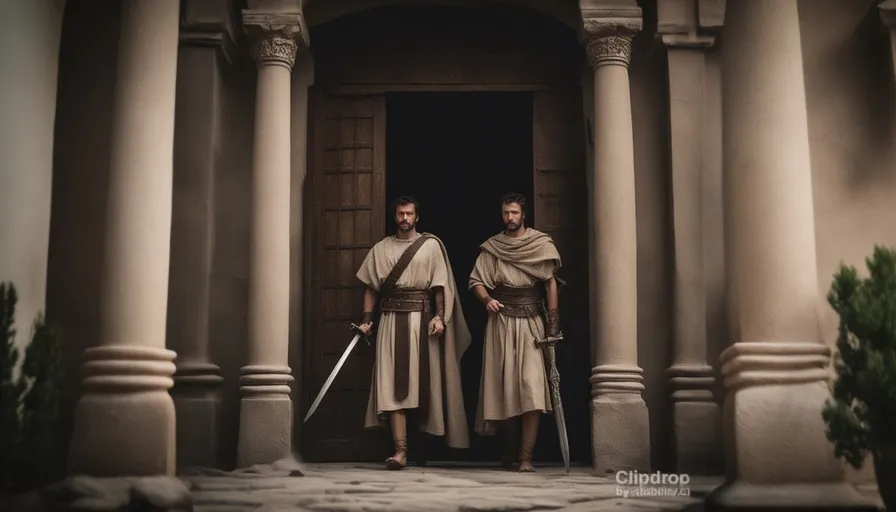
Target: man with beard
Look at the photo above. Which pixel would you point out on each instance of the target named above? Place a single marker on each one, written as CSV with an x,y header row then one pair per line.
x,y
513,277
420,338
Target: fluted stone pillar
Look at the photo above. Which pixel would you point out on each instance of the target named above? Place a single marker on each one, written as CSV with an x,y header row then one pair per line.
x,y
696,417
265,408
776,377
619,420
29,63
124,422
204,42
888,16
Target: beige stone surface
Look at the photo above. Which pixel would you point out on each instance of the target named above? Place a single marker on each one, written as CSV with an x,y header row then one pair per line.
x,y
348,487
265,432
286,485
125,401
620,423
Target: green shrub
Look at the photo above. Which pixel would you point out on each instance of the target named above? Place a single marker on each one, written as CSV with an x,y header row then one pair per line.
x,y
861,416
30,404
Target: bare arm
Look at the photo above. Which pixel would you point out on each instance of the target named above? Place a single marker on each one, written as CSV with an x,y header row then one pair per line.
x,y
550,289
552,317
480,294
369,300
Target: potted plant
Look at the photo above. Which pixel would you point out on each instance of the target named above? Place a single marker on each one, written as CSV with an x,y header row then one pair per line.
x,y
861,416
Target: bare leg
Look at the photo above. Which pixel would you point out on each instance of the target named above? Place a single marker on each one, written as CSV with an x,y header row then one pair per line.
x,y
530,433
510,433
400,436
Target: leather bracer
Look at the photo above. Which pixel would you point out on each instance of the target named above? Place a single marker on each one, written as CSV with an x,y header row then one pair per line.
x,y
552,322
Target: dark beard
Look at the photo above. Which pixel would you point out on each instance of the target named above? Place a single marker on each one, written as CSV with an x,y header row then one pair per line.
x,y
511,227
405,227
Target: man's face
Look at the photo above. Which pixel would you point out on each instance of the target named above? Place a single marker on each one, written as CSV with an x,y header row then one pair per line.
x,y
513,216
406,217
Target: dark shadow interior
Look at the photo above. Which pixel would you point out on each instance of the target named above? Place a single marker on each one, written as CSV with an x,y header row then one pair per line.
x,y
457,153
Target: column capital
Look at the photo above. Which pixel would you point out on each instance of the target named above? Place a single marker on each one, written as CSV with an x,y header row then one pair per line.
x,y
887,10
609,41
275,37
608,27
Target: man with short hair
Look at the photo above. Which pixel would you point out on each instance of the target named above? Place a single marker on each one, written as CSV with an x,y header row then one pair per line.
x,y
421,335
514,275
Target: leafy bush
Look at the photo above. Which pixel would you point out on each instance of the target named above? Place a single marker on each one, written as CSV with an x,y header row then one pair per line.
x,y
861,417
29,404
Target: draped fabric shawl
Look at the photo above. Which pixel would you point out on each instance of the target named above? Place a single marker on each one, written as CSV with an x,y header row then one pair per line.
x,y
529,253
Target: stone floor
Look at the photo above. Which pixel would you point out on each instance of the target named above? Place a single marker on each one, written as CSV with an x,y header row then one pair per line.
x,y
290,486
368,487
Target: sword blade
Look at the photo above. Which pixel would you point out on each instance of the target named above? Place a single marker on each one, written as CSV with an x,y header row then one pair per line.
x,y
560,418
556,402
332,377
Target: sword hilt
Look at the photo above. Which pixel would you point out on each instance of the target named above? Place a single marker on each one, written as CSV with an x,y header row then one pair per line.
x,y
355,328
549,340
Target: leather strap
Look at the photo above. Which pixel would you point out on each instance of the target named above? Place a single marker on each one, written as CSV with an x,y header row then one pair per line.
x,y
402,264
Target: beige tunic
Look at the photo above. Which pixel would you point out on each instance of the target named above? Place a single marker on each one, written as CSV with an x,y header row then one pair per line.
x,y
514,380
428,269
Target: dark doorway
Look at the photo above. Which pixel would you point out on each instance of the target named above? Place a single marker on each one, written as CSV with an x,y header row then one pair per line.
x,y
457,153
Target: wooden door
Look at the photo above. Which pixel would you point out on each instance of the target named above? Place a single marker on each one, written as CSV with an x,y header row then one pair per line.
x,y
345,219
560,208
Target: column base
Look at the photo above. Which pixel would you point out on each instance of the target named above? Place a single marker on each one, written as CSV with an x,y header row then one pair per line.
x,y
778,454
124,424
696,421
197,400
821,497
620,423
266,415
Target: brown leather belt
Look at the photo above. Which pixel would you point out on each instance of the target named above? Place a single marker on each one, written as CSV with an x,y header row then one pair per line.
x,y
406,301
401,303
519,302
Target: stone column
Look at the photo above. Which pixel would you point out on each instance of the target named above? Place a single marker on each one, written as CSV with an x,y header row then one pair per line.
x,y
265,407
777,454
29,63
124,422
620,425
888,16
204,45
696,417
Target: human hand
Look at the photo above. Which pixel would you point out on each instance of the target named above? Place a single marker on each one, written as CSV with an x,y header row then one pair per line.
x,y
494,306
365,328
436,326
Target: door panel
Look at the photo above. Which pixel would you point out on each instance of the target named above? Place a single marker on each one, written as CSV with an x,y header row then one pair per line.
x,y
560,208
346,217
